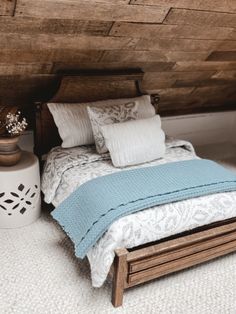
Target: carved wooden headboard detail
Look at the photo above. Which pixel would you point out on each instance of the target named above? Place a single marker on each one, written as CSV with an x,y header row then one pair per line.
x,y
85,87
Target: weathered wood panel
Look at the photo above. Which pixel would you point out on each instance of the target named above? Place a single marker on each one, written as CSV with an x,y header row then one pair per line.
x,y
186,56
194,17
7,7
157,83
209,5
81,10
204,66
175,101
200,75
154,31
169,79
26,88
27,25
194,106
74,88
225,75
222,56
45,41
49,55
171,93
186,48
127,56
111,1
25,68
214,92
185,45
141,56
144,66
14,41
227,45
209,82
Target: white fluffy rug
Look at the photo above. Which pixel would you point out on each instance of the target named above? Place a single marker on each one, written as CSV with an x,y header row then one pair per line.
x,y
39,274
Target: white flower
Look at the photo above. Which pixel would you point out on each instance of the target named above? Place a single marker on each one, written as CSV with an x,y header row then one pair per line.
x,y
14,125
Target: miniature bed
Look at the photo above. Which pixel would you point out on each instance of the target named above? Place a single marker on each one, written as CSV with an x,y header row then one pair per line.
x,y
140,264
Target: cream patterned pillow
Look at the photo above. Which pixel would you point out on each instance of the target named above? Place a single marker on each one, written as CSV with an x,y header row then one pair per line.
x,y
109,115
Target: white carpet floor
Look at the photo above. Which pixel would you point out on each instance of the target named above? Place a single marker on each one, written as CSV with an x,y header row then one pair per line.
x,y
39,274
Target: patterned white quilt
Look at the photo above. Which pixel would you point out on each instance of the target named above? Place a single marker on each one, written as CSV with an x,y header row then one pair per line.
x,y
66,169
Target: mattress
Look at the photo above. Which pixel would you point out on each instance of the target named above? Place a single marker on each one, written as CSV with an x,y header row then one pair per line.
x,y
66,169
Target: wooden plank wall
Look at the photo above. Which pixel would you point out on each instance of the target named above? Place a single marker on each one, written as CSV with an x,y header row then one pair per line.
x,y
186,48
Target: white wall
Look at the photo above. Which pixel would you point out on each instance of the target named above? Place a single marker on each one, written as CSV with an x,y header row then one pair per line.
x,y
202,129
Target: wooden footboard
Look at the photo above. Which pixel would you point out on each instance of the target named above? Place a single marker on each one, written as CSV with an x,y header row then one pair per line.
x,y
133,267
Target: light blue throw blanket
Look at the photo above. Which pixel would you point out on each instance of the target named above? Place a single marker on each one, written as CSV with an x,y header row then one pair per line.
x,y
87,213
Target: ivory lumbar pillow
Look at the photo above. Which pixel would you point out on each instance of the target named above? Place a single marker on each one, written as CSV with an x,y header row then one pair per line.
x,y
73,122
100,116
135,142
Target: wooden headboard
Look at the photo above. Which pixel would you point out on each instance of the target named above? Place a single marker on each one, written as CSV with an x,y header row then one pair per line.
x,y
84,87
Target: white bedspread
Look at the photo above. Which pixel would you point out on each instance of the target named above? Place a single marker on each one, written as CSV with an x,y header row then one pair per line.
x,y
66,169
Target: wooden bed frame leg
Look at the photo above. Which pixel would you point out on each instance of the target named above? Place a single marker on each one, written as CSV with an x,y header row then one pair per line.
x,y
119,278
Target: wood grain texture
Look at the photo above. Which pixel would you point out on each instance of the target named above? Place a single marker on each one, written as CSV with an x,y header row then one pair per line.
x,y
214,92
210,5
74,9
171,93
225,74
27,89
157,83
144,66
200,75
179,253
162,37
222,56
75,90
182,263
204,66
154,31
32,26
111,1
141,56
7,7
191,106
194,17
172,254
119,277
207,82
50,55
188,45
25,68
45,41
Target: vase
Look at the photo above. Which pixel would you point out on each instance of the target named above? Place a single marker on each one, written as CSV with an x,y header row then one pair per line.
x,y
10,152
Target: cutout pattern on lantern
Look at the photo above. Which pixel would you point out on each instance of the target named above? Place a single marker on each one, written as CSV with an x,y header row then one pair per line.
x,y
21,200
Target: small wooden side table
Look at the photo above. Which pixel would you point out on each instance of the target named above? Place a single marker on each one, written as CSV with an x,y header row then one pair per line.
x,y
20,202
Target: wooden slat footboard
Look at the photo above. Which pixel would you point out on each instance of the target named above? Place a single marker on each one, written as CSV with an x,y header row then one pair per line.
x,y
144,264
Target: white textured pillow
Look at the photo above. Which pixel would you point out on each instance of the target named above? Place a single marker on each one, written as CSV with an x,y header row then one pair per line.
x,y
135,142
73,122
100,116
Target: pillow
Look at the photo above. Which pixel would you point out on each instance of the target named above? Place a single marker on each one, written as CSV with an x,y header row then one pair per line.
x,y
135,142
100,116
73,122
